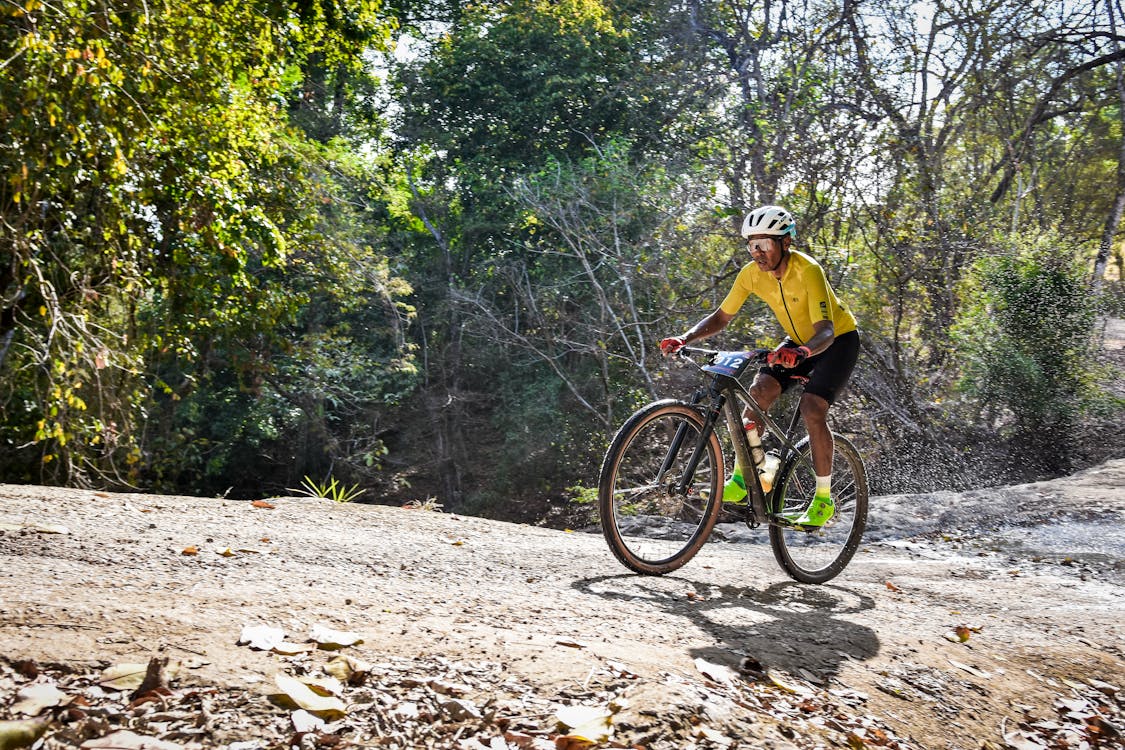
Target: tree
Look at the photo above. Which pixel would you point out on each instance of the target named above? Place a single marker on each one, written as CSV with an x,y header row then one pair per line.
x,y
158,225
506,90
1028,334
583,293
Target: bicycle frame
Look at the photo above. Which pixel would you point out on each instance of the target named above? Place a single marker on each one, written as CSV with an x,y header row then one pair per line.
x,y
723,390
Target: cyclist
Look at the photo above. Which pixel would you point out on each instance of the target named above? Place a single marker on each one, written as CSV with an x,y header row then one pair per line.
x,y
822,342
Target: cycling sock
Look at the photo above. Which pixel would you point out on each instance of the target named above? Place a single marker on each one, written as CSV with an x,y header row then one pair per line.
x,y
824,486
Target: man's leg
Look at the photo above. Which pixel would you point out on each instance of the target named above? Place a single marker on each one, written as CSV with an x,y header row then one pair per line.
x,y
814,411
765,389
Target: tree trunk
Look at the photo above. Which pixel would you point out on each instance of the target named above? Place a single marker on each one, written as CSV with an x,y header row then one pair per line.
x,y
1118,206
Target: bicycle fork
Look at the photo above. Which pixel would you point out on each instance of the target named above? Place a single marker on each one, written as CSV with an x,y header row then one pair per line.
x,y
700,448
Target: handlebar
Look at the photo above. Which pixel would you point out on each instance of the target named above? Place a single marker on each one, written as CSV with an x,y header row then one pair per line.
x,y
684,351
756,355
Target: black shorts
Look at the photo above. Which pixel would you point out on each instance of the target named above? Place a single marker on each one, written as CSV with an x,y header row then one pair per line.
x,y
828,372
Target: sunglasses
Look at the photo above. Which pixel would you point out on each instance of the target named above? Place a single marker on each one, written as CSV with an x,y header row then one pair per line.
x,y
759,245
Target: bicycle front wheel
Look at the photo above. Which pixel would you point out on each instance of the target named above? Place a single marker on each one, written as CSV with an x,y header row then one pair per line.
x,y
818,555
651,525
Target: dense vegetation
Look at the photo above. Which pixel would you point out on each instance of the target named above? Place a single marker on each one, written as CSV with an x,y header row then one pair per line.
x,y
427,247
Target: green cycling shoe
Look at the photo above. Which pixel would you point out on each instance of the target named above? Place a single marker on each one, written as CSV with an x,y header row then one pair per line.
x,y
816,515
734,491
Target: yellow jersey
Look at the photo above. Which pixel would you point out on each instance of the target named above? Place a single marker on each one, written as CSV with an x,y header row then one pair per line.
x,y
800,298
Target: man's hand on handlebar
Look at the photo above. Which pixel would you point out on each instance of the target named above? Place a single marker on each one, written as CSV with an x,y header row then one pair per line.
x,y
671,345
788,356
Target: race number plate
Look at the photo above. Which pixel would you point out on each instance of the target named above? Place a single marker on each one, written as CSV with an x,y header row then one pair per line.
x,y
731,364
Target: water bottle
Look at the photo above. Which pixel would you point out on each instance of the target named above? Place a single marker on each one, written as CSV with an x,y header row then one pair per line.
x,y
757,455
765,463
767,471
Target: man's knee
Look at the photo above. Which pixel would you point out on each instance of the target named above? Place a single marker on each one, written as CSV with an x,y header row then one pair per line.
x,y
765,388
813,408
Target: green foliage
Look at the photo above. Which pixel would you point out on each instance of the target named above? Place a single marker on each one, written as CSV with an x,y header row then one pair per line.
x,y
516,81
583,495
1027,338
173,253
228,247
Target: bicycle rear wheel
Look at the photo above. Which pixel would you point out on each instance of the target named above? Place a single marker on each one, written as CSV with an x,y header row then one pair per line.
x,y
818,555
650,526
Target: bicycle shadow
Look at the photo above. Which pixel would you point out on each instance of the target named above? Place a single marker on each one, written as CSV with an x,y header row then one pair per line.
x,y
797,628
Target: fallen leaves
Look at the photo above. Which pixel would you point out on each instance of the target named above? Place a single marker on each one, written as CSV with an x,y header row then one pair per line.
x,y
787,684
406,703
348,669
591,724
261,637
570,643
126,740
269,638
228,550
716,672
971,669
123,676
330,639
33,699
305,722
1088,716
961,633
325,706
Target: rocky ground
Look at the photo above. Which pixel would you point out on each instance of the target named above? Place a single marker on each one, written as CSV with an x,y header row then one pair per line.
x,y
993,619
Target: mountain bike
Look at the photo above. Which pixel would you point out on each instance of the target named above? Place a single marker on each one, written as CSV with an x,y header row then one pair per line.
x,y
661,485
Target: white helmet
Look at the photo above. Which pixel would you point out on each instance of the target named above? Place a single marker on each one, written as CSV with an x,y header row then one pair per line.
x,y
773,220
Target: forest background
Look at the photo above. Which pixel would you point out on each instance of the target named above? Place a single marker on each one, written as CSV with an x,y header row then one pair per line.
x,y
426,248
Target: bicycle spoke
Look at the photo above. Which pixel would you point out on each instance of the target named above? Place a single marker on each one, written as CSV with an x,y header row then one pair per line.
x,y
634,490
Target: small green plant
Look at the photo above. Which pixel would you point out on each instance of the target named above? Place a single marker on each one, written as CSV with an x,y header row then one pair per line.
x,y
583,495
332,489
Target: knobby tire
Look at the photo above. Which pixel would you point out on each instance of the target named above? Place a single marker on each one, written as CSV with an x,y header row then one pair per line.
x,y
818,556
649,527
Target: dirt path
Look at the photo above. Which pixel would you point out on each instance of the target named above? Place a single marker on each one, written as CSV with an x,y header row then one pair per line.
x,y
477,631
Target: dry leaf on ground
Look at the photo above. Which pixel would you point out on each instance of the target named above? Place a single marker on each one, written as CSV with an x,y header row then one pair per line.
x,y
327,638
303,696
34,698
261,637
126,740
123,676
348,669
303,721
593,723
788,684
716,672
